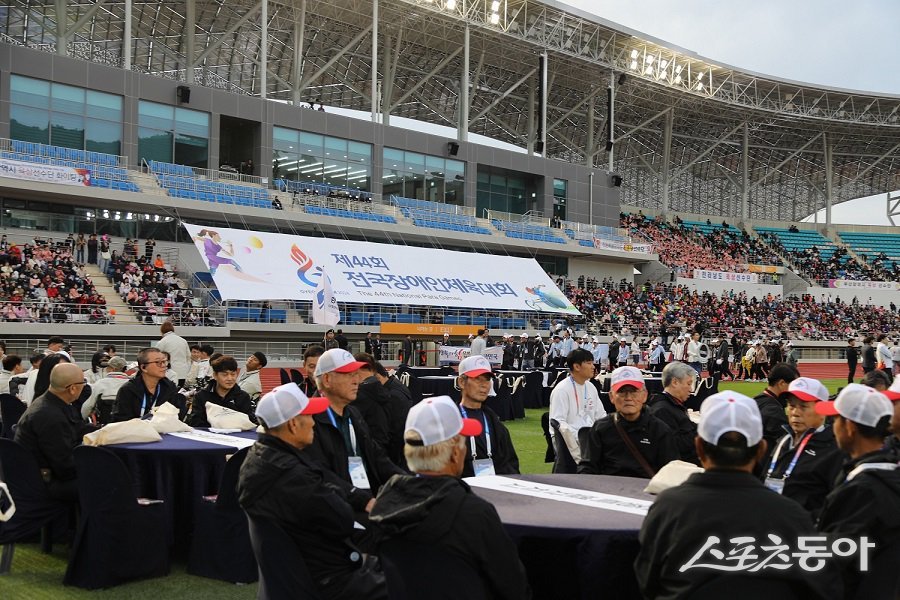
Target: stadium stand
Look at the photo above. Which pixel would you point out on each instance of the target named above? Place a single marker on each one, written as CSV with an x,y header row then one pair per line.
x,y
881,251
528,231
105,171
814,256
312,188
182,182
435,215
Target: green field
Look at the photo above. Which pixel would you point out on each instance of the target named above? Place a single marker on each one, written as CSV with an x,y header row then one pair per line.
x,y
39,576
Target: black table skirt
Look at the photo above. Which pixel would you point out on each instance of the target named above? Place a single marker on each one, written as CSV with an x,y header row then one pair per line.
x,y
572,551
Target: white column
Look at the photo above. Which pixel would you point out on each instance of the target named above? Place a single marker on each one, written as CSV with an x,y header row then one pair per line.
x,y
829,168
374,61
589,144
544,95
462,128
667,159
264,49
61,23
190,28
299,32
745,174
612,121
126,39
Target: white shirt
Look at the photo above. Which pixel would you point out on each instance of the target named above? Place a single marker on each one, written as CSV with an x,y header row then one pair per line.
x,y
693,352
479,345
574,406
105,388
179,353
249,382
27,391
5,376
883,354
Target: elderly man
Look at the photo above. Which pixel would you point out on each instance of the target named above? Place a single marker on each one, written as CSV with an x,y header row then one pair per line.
x,y
574,402
178,350
344,443
51,428
249,378
678,384
492,452
865,504
279,482
692,526
148,388
98,407
435,509
630,442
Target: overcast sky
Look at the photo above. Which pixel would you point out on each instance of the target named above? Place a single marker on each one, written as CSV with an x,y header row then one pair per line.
x,y
826,42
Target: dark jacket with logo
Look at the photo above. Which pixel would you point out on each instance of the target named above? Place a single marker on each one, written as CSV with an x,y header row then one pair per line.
x,y
603,452
236,399
503,453
674,414
133,396
816,469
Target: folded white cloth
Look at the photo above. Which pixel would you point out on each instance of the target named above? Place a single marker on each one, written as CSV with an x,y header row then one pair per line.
x,y
125,432
221,417
673,474
165,419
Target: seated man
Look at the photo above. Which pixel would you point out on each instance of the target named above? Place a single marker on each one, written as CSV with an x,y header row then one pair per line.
x,y
282,484
51,428
574,402
249,379
148,388
104,392
630,442
715,513
492,451
678,383
434,508
866,501
222,390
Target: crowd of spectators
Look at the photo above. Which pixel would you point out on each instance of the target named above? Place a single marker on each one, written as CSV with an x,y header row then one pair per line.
x,y
41,282
811,264
610,308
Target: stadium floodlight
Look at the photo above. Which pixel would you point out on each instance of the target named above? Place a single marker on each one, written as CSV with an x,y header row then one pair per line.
x,y
699,75
495,6
700,87
678,79
634,54
634,65
678,69
495,18
648,70
451,5
663,64
649,59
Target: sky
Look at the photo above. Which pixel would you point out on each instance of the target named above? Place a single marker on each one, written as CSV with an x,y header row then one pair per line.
x,y
831,43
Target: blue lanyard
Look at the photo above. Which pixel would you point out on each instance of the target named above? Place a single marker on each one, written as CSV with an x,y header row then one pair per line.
x,y
794,460
144,406
487,432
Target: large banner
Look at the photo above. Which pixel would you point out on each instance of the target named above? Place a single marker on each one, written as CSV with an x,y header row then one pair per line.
x,y
771,269
251,265
863,285
45,173
455,354
605,244
725,276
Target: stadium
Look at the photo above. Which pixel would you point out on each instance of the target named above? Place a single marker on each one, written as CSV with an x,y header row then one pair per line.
x,y
654,191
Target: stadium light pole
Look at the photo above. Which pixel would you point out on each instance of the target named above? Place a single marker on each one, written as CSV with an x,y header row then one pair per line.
x,y
190,26
374,61
610,140
264,49
299,32
462,128
829,191
126,39
61,21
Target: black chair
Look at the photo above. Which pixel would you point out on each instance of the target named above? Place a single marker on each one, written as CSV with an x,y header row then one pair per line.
x,y
35,509
417,571
550,453
119,537
285,378
563,463
11,410
282,571
220,546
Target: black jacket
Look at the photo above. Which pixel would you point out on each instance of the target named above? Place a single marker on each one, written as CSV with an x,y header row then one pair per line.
x,y
329,449
50,429
852,355
674,414
773,417
280,483
443,511
236,399
816,469
869,360
133,396
604,453
724,504
373,403
865,504
503,453
400,398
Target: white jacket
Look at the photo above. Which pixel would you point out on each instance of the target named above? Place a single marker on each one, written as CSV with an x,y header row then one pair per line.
x,y
179,353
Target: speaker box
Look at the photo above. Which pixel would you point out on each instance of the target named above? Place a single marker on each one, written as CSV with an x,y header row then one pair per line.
x,y
615,179
452,148
183,93
538,147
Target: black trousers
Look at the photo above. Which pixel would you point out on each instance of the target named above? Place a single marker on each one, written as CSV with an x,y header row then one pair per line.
x,y
852,374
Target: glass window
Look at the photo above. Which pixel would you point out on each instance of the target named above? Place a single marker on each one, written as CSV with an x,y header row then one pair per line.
x,y
191,150
103,136
311,143
192,122
30,92
65,98
29,124
414,163
104,106
67,130
155,145
335,148
559,188
393,158
156,116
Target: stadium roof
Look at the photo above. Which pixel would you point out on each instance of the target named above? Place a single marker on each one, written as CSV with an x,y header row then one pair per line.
x,y
682,121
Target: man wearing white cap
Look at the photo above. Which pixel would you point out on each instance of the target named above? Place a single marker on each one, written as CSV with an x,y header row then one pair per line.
x,y
525,353
574,402
893,394
435,509
630,442
343,440
281,483
711,512
866,503
804,463
677,348
492,451
657,357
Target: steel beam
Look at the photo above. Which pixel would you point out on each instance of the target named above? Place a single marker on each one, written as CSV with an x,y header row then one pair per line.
x,y
190,27
462,127
264,49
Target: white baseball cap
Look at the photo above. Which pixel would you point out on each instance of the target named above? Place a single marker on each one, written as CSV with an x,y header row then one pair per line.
x,y
727,412
437,420
893,392
626,376
284,403
337,360
474,366
807,389
523,335
860,404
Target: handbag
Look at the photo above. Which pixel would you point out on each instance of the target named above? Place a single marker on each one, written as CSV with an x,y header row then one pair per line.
x,y
634,451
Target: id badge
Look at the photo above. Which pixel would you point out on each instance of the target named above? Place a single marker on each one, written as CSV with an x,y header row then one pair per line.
x,y
775,484
483,467
358,473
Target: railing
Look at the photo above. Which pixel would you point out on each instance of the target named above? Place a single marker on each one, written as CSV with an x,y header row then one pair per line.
x,y
51,312
531,217
602,231
322,189
436,207
58,155
154,167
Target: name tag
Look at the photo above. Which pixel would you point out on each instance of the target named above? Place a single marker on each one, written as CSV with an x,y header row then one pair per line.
x,y
775,484
483,467
358,473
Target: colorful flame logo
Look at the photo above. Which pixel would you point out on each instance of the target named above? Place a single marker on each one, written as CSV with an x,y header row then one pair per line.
x,y
308,272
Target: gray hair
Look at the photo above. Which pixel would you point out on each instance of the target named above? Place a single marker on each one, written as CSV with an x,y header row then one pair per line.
x,y
430,458
676,371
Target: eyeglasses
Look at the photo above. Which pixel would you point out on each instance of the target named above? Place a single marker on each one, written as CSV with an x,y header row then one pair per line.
x,y
161,363
84,382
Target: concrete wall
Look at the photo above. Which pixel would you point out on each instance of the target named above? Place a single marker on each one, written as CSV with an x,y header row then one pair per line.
x,y
865,297
717,287
599,269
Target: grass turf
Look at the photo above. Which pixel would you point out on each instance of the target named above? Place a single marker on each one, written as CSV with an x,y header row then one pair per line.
x,y
37,576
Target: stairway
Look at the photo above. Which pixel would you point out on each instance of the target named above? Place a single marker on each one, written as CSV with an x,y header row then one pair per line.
x,y
124,314
147,183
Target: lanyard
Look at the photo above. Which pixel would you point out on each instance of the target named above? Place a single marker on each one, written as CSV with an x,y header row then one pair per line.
x,y
583,393
793,463
144,406
487,433
349,425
